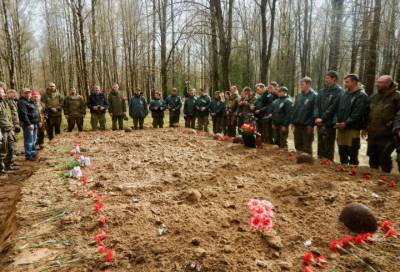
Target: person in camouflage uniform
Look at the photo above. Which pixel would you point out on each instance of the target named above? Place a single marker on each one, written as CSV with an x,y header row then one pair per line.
x,y
383,124
350,119
12,103
303,117
174,105
98,105
74,110
42,119
325,109
231,108
138,109
217,112
157,107
202,110
53,102
117,107
189,109
281,113
245,106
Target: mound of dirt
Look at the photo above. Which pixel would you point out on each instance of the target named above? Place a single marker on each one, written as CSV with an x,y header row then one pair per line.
x,y
178,202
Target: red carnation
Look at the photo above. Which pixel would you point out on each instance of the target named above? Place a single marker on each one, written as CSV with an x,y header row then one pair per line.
x,y
309,268
102,219
386,225
366,176
109,256
308,258
85,180
346,241
335,245
102,249
98,206
342,168
322,262
353,171
391,233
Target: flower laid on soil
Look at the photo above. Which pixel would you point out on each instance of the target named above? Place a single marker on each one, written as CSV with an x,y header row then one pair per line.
x,y
262,215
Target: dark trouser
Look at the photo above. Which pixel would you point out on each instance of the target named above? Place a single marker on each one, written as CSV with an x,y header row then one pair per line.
x,y
225,125
173,118
138,123
40,136
269,132
303,138
262,129
231,124
158,122
326,143
53,125
75,120
380,155
349,154
29,142
190,122
117,119
98,118
280,137
7,149
218,122
240,122
202,123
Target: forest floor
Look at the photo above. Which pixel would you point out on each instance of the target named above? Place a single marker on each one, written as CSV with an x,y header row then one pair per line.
x,y
177,201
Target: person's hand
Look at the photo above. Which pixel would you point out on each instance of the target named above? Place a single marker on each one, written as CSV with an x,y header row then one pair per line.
x,y
66,116
30,127
53,109
203,108
340,126
102,108
318,121
257,111
212,114
309,129
284,129
364,134
273,126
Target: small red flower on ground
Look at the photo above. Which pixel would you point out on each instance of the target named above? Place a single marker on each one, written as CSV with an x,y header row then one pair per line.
x,y
102,219
322,262
335,245
98,206
309,268
353,171
109,256
387,225
347,239
307,258
391,233
102,249
342,168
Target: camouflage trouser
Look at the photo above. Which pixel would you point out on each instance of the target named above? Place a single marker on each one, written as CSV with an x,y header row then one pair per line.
x,y
280,137
158,122
218,122
98,118
303,138
202,123
231,124
190,122
75,120
117,119
53,126
326,143
7,149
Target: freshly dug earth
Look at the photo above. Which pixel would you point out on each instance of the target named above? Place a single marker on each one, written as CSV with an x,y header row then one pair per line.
x,y
194,189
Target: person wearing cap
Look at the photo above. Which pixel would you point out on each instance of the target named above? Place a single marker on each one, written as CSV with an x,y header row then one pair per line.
x,y
98,105
202,110
189,109
325,109
350,119
42,119
157,107
383,124
53,103
174,105
217,112
138,109
29,118
74,110
303,117
117,107
281,113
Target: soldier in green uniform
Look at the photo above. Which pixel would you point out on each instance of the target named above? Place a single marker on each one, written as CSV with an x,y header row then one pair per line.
x,y
157,107
138,109
202,110
303,117
98,105
189,109
53,102
74,110
383,124
259,108
325,109
245,106
281,114
174,105
12,106
225,119
42,117
231,110
117,107
217,112
350,119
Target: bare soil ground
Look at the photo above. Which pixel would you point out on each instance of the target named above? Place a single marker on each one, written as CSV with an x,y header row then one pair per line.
x,y
196,189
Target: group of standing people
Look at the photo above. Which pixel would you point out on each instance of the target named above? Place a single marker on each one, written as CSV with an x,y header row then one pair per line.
x,y
341,116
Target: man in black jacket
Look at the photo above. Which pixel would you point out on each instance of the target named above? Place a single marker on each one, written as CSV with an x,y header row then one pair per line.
x,y
350,119
29,119
98,105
